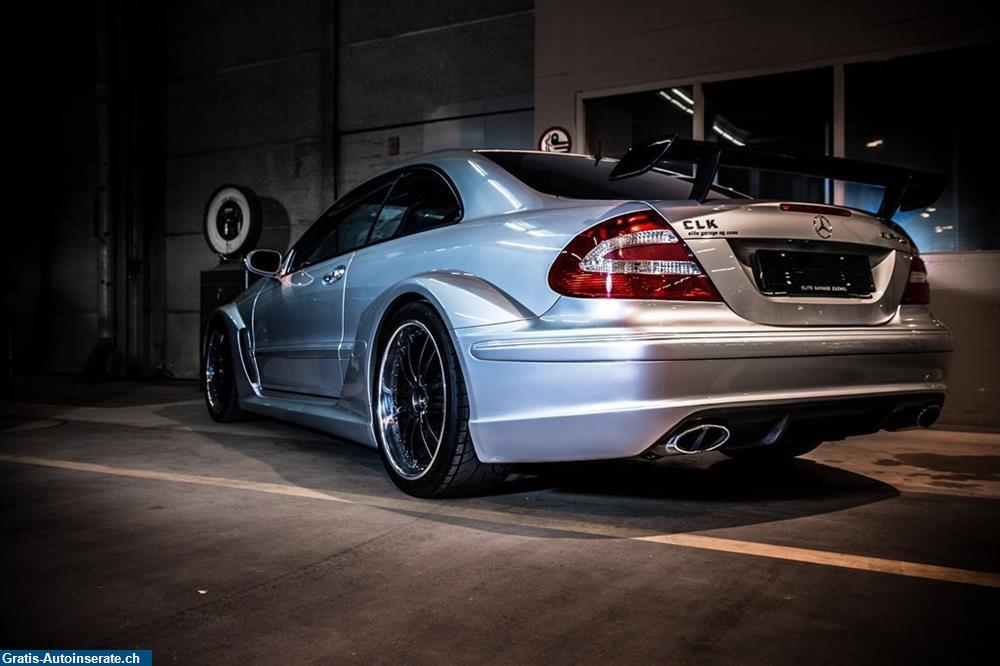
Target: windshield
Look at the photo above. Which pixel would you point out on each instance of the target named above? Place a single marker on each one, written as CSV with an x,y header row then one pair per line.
x,y
579,177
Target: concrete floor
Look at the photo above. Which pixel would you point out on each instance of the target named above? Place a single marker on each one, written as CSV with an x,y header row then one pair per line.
x,y
132,520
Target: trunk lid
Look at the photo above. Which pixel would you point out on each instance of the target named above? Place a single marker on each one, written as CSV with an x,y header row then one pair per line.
x,y
778,265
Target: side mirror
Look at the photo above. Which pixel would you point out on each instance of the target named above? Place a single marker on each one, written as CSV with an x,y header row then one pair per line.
x,y
263,262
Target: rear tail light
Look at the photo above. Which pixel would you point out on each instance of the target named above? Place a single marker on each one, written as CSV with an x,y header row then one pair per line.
x,y
631,256
918,289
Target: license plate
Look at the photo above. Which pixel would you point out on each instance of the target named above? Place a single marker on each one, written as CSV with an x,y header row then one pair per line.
x,y
790,273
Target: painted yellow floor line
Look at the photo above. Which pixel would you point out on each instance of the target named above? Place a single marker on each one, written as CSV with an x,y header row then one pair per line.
x,y
697,541
828,558
218,481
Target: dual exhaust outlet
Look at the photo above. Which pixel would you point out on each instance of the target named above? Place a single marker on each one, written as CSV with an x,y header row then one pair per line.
x,y
928,416
700,438
914,416
705,437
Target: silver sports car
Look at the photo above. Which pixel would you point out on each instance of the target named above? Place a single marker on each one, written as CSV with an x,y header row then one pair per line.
x,y
468,310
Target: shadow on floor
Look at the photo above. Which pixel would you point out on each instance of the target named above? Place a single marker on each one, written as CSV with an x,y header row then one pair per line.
x,y
675,494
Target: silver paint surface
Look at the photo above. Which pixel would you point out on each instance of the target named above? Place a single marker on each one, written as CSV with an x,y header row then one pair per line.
x,y
554,378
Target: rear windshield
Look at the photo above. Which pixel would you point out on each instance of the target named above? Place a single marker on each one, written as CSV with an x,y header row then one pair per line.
x,y
576,177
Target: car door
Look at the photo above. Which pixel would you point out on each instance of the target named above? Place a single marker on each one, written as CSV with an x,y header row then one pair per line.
x,y
298,316
422,199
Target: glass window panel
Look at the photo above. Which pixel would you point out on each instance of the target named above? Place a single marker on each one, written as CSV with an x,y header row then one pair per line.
x,y
350,232
421,199
344,227
790,112
616,123
933,112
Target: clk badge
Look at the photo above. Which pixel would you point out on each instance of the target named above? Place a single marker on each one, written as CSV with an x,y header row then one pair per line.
x,y
823,226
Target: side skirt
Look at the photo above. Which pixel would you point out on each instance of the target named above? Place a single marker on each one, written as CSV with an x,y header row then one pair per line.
x,y
321,414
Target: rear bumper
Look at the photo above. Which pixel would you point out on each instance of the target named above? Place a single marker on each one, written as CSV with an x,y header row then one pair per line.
x,y
546,395
637,346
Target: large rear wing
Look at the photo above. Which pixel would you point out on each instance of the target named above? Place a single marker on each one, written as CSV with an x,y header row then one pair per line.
x,y
905,189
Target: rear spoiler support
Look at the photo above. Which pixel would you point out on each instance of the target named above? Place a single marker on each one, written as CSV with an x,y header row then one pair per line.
x,y
904,189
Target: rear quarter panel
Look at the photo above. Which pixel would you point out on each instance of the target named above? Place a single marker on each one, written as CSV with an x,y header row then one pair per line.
x,y
475,273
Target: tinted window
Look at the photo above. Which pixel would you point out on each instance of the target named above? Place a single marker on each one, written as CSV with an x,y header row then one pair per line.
x,y
343,228
421,199
577,177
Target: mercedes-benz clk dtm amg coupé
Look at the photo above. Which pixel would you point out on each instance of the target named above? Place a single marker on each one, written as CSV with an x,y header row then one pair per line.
x,y
469,310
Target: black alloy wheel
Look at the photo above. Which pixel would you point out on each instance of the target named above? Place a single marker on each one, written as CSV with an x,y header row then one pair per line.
x,y
221,393
421,410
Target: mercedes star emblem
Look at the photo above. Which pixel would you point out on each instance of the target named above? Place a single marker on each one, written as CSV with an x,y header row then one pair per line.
x,y
823,226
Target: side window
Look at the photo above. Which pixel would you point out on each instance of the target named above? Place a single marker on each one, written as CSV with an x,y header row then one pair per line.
x,y
343,228
421,199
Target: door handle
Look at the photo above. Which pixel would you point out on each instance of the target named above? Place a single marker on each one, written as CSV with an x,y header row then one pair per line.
x,y
334,275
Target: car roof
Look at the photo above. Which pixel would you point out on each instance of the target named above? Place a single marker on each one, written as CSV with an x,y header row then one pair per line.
x,y
488,189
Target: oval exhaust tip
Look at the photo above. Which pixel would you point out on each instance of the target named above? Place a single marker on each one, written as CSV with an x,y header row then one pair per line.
x,y
928,416
701,438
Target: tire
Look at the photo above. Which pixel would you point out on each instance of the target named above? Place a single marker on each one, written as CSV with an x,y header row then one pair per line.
x,y
420,409
775,452
222,398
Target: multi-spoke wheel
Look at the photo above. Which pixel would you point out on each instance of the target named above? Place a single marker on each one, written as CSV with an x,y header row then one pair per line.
x,y
421,410
221,394
412,399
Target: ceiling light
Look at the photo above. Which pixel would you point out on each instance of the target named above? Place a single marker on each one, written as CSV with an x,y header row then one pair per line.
x,y
726,135
680,93
673,101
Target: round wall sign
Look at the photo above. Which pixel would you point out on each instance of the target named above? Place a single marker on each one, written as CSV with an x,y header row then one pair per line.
x,y
232,220
555,140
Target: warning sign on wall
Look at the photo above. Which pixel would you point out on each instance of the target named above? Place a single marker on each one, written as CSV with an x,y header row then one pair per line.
x,y
555,140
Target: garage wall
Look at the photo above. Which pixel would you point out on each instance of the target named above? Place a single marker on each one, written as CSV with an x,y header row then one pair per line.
x,y
298,101
69,273
431,75
243,105
589,45
965,290
48,261
302,101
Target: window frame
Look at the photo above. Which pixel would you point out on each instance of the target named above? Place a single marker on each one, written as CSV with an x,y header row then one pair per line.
x,y
400,174
363,190
355,196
